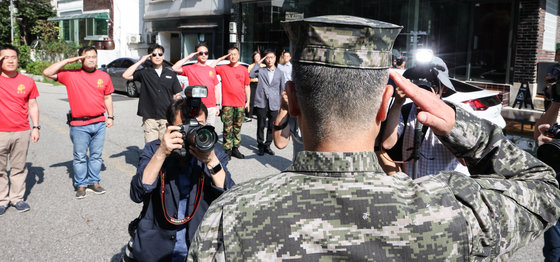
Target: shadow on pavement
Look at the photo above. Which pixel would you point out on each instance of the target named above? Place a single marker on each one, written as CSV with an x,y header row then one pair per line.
x,y
131,155
35,175
70,169
276,161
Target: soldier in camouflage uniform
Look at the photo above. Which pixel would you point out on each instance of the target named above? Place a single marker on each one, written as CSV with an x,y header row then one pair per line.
x,y
336,203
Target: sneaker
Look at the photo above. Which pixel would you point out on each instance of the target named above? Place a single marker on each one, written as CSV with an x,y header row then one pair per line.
x,y
3,209
81,192
235,153
21,206
96,188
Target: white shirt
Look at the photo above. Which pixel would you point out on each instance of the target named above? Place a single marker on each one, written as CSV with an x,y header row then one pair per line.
x,y
287,70
434,156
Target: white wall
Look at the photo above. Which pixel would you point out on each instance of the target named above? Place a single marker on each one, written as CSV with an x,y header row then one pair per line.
x,y
164,39
178,8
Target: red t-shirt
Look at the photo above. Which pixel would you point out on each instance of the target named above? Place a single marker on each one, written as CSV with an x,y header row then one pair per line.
x,y
200,75
86,93
234,80
15,93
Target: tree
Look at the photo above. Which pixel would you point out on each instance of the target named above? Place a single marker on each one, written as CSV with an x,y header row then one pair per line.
x,y
30,12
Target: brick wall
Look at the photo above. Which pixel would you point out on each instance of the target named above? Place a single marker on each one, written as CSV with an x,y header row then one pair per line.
x,y
529,40
92,5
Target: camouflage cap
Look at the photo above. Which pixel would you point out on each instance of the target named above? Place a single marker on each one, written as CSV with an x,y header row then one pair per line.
x,y
342,41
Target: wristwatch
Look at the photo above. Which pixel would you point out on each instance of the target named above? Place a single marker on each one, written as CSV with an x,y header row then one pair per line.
x,y
217,168
111,117
38,127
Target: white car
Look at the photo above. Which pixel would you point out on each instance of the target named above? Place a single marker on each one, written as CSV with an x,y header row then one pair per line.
x,y
483,103
184,81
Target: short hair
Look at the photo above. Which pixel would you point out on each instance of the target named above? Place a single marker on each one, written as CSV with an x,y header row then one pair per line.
x,y
338,100
201,44
233,48
268,51
86,48
286,52
9,47
177,106
153,47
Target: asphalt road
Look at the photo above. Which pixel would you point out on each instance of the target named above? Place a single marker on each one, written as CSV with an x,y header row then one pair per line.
x,y
60,227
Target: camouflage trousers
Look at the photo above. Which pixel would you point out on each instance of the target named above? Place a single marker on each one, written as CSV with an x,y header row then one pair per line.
x,y
232,117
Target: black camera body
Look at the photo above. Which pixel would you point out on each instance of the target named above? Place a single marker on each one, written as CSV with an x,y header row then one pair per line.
x,y
193,133
554,131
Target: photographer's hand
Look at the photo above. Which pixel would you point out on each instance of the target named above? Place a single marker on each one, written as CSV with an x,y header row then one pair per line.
x,y
170,141
543,138
210,160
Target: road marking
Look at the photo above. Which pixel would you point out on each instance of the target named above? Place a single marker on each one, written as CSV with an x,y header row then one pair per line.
x,y
112,161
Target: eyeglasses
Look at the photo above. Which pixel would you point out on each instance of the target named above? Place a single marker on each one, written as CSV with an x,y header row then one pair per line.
x,y
202,53
157,54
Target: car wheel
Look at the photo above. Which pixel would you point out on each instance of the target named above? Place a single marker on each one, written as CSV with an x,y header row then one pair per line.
x,y
131,89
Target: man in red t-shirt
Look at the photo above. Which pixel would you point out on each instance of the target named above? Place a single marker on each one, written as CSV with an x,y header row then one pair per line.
x,y
18,101
202,74
89,93
236,94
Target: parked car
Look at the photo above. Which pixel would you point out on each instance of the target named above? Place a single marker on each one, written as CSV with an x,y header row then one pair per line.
x,y
185,81
483,103
116,68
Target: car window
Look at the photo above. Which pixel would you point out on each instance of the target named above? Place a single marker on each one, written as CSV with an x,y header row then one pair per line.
x,y
127,64
115,63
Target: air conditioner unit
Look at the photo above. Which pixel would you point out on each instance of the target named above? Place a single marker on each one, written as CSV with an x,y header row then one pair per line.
x,y
134,38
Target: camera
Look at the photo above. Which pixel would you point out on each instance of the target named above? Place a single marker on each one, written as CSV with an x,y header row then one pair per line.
x,y
193,133
554,131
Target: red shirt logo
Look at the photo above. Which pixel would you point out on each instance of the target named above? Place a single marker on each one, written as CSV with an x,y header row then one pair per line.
x,y
210,74
99,82
21,89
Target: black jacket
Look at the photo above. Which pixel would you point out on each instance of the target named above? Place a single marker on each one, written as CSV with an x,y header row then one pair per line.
x,y
155,237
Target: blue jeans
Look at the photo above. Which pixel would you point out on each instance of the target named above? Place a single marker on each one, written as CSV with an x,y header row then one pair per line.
x,y
92,137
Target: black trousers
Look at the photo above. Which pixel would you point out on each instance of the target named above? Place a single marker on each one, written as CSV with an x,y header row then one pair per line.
x,y
262,115
252,102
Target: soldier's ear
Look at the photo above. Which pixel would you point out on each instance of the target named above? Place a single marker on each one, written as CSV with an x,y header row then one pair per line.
x,y
385,99
293,106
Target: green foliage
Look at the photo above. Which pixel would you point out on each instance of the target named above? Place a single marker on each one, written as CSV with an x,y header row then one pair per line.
x,y
23,58
37,67
26,20
46,30
69,49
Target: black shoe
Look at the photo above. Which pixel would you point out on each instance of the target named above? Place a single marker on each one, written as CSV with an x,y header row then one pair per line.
x,y
228,152
235,152
261,151
268,151
247,119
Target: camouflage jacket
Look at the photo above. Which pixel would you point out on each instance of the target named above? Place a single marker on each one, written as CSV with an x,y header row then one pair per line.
x,y
341,206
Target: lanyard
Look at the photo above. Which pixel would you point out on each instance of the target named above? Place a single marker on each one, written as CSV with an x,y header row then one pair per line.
x,y
173,220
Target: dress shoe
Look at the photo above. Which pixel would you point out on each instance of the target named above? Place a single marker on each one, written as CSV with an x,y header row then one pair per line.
x,y
261,151
235,153
268,151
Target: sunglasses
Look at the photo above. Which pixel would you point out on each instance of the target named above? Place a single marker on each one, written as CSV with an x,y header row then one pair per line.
x,y
157,54
203,53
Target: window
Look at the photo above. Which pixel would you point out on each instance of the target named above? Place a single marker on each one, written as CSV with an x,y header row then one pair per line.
x,y
96,29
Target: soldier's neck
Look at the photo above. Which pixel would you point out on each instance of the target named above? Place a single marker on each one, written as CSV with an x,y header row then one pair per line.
x,y
9,74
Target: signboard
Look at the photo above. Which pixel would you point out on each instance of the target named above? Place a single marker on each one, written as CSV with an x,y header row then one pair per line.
x,y
293,16
524,96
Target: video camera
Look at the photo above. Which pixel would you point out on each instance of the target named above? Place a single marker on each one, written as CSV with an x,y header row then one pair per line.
x,y
549,152
193,133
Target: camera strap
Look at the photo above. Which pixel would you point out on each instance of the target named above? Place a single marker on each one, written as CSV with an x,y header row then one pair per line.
x,y
176,221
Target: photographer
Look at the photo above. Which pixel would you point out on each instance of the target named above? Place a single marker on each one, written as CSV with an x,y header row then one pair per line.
x,y
551,249
157,238
551,79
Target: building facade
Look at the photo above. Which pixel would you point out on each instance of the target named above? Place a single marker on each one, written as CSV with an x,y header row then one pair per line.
x,y
179,25
113,27
496,41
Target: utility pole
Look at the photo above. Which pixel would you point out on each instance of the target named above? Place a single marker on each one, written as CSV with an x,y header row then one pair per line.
x,y
12,11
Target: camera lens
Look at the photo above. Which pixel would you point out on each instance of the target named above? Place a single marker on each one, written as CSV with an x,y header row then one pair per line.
x,y
205,138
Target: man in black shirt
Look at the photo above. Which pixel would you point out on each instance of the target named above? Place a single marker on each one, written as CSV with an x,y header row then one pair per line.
x,y
159,87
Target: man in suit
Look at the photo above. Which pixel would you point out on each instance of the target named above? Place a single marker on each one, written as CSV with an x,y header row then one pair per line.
x,y
267,98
